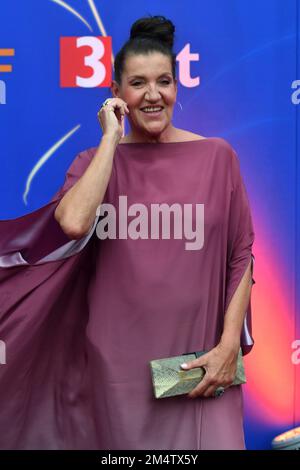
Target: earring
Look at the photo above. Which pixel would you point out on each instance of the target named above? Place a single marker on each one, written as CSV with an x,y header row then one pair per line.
x,y
180,105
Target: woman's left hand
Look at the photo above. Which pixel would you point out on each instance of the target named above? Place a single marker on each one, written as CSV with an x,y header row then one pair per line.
x,y
220,364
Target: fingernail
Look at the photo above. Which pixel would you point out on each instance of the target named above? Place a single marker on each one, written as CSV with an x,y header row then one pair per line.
x,y
184,365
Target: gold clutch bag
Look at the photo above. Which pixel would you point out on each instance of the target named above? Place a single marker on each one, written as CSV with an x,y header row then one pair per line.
x,y
169,379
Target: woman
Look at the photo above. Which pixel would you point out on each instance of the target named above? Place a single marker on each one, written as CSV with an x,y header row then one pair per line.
x,y
109,301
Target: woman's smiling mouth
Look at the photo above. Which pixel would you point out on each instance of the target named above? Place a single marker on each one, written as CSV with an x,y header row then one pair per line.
x,y
152,110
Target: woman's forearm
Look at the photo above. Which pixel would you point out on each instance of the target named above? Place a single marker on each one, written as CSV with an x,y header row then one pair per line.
x,y
77,209
235,314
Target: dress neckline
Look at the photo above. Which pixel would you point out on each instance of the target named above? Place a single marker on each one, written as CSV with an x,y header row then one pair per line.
x,y
166,143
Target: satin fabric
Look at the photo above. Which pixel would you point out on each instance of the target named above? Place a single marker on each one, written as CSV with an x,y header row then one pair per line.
x,y
82,319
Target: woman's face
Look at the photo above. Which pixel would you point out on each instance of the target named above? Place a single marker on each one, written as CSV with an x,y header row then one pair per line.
x,y
149,89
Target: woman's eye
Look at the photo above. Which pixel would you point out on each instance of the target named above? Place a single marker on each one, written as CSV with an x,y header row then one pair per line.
x,y
164,82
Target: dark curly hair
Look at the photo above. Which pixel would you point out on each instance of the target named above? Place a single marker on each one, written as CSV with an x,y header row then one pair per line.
x,y
148,34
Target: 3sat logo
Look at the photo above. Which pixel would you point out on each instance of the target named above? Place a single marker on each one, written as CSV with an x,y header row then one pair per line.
x,y
85,61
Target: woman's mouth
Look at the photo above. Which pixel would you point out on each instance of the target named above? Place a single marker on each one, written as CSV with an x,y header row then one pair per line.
x,y
152,110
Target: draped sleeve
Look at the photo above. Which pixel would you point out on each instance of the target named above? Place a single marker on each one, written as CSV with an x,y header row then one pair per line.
x,y
37,237
43,316
239,247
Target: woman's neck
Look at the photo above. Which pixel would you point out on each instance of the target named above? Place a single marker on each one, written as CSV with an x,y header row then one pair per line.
x,y
169,135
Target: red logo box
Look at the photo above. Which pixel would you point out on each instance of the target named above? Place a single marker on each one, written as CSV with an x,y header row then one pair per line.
x,y
85,61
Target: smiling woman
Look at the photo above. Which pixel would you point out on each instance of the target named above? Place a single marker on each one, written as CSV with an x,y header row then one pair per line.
x,y
84,320
145,79
150,98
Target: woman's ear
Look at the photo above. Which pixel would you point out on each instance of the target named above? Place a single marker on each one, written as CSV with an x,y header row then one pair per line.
x,y
176,85
115,89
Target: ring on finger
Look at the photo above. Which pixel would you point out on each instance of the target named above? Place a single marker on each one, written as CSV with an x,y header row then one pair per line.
x,y
219,392
105,103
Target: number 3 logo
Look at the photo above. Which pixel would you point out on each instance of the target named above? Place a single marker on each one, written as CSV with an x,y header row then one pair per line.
x,y
85,62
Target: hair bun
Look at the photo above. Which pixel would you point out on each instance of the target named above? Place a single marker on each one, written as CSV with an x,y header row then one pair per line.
x,y
155,27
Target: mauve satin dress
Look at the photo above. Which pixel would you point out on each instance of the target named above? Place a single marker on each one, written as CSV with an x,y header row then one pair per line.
x,y
82,319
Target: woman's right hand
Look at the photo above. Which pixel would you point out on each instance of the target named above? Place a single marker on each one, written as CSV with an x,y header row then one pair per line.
x,y
111,117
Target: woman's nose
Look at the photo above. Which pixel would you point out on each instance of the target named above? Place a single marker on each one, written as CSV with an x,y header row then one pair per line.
x,y
152,94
